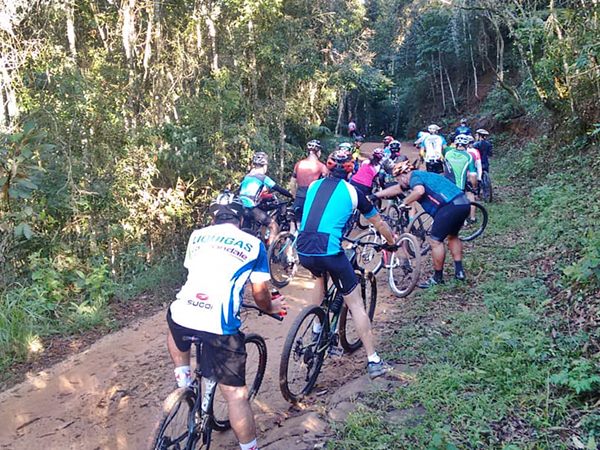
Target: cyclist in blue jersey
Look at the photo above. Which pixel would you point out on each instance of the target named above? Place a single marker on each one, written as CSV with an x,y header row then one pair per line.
x,y
485,148
220,260
256,183
463,128
443,201
329,204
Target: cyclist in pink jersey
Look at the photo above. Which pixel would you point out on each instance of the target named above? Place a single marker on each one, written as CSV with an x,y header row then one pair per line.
x,y
367,172
305,172
476,157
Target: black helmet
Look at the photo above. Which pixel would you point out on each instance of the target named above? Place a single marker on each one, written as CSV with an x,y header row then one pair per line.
x,y
226,206
260,159
314,146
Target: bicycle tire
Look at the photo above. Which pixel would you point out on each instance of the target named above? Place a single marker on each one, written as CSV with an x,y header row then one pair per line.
x,y
486,187
405,266
179,401
302,353
420,227
470,232
349,339
367,258
283,259
256,349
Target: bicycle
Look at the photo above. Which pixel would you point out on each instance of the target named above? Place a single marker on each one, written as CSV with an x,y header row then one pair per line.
x,y
473,228
304,349
404,265
283,258
280,211
190,414
486,187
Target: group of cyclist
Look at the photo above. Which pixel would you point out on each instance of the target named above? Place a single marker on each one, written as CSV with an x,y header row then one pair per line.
x,y
221,258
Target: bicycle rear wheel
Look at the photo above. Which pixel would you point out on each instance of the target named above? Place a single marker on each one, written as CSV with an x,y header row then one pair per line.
x,y
475,226
420,227
256,363
349,338
405,266
302,355
283,259
173,428
486,187
367,258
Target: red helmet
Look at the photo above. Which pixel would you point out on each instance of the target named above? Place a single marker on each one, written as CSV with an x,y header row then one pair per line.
x,y
387,140
342,159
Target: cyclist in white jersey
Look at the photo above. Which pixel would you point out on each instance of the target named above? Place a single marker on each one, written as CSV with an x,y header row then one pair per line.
x,y
220,260
433,150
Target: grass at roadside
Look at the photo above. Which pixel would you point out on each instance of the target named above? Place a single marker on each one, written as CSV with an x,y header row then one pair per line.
x,y
498,369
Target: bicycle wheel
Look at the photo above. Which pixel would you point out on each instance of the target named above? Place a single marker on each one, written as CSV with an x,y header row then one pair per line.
x,y
486,187
349,338
405,266
367,258
283,259
302,355
474,225
256,363
421,229
173,428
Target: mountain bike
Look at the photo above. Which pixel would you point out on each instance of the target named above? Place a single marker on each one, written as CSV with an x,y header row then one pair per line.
x,y
190,414
486,187
473,227
305,349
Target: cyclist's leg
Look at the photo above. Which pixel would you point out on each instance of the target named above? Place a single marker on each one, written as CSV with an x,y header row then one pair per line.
x,y
263,218
179,351
239,412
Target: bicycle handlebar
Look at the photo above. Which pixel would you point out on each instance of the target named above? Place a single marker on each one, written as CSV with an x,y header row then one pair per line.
x,y
261,312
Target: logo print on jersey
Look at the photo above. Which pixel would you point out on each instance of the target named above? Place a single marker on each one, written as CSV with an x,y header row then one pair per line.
x,y
201,296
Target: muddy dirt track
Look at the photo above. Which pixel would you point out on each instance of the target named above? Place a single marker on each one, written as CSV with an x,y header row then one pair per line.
x,y
109,396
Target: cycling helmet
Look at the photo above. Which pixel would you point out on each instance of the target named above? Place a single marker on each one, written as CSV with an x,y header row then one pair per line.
x,y
378,154
342,159
387,140
260,159
346,146
395,146
461,139
470,138
226,206
314,146
433,128
482,132
402,168
463,121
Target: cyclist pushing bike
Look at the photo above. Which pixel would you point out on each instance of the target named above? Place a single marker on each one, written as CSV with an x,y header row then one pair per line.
x,y
220,260
330,202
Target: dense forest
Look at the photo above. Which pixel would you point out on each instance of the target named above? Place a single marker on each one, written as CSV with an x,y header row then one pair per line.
x,y
121,119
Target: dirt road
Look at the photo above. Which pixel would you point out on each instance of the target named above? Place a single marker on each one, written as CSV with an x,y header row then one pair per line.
x,y
109,396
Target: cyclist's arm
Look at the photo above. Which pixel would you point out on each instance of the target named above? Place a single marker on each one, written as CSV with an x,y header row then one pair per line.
x,y
392,191
415,194
293,186
282,191
382,227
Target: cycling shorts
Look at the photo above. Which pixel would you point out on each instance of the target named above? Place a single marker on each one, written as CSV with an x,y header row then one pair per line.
x,y
449,219
436,166
261,216
361,187
223,357
337,266
299,207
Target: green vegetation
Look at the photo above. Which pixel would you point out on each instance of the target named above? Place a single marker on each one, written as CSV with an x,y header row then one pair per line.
x,y
505,361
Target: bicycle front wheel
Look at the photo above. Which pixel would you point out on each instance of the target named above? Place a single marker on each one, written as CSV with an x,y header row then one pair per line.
x,y
349,338
256,363
283,259
475,223
367,258
302,355
405,266
174,427
420,227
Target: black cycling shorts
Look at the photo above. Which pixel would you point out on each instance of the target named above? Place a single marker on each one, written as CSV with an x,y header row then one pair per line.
x,y
434,166
261,216
448,221
223,357
337,266
299,207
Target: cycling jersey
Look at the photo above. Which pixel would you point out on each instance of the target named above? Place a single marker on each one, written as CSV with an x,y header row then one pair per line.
x,y
434,144
485,150
457,164
329,204
252,186
308,170
477,159
220,259
439,191
365,174
462,130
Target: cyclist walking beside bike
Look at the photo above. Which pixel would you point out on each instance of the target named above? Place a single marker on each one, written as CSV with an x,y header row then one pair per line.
x,y
330,202
253,185
220,260
443,201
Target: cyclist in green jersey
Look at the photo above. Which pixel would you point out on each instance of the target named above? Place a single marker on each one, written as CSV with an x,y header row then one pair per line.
x,y
459,166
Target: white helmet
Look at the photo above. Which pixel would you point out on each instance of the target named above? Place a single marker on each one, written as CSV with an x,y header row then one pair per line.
x,y
461,139
433,128
482,132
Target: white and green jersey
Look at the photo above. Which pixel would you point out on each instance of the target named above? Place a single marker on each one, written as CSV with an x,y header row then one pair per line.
x,y
458,163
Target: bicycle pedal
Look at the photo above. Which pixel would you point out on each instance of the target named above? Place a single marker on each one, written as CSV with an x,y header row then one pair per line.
x,y
335,351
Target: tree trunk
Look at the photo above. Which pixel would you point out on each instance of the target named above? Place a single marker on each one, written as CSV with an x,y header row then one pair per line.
x,y
70,10
282,126
341,108
451,90
148,41
442,81
473,62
